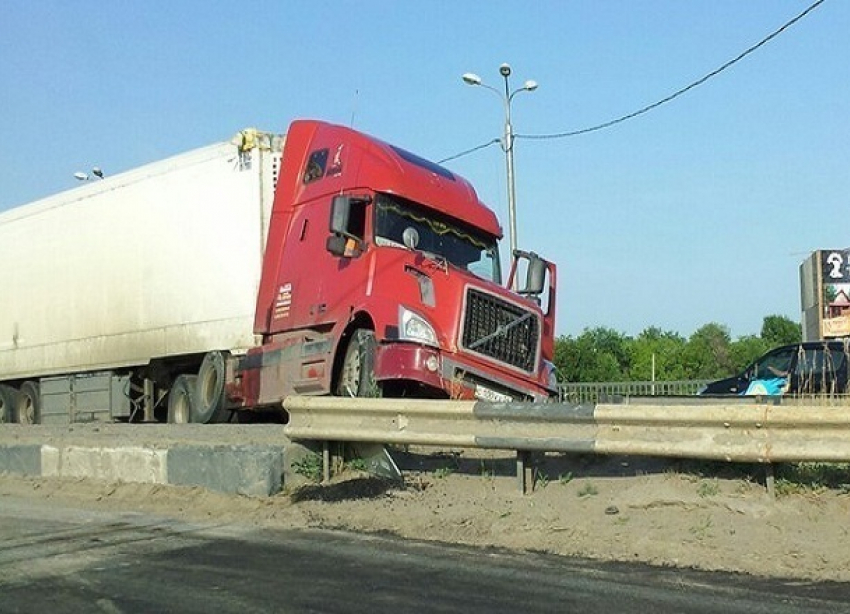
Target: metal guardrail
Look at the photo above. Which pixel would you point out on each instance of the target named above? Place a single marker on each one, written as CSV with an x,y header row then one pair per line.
x,y
744,430
594,392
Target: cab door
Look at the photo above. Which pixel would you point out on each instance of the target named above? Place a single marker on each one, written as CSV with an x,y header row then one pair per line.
x,y
302,276
320,271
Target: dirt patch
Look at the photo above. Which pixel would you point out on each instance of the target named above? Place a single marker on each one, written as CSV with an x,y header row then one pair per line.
x,y
707,516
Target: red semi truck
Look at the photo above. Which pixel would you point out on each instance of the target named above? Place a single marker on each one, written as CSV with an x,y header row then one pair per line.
x,y
374,272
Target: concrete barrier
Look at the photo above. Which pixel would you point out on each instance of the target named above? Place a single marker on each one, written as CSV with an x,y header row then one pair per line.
x,y
21,459
247,470
124,464
249,460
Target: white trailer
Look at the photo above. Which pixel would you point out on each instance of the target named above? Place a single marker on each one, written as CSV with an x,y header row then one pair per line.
x,y
147,269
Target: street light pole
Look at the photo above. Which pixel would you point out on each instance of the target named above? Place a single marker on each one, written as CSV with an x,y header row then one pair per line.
x,y
508,141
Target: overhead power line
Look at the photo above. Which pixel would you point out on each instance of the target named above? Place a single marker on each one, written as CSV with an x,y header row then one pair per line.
x,y
655,105
469,151
680,92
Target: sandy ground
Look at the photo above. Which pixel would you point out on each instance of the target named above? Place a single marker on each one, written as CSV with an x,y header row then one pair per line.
x,y
628,509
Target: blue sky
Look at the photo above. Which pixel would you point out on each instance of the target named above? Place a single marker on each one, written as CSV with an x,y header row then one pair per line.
x,y
698,211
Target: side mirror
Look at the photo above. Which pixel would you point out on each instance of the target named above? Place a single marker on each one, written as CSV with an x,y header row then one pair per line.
x,y
347,225
535,279
535,276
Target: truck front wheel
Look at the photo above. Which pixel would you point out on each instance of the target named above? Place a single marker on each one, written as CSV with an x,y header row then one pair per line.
x,y
357,375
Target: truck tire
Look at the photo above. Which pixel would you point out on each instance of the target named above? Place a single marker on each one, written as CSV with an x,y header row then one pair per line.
x,y
8,399
357,375
209,391
181,399
28,404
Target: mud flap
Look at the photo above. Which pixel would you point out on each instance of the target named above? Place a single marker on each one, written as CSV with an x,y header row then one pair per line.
x,y
377,460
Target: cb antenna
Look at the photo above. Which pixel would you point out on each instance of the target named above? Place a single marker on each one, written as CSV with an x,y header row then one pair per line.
x,y
354,108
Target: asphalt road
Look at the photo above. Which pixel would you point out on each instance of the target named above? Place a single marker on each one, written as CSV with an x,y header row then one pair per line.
x,y
57,559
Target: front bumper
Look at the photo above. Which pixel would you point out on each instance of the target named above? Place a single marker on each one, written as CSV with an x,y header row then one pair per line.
x,y
458,378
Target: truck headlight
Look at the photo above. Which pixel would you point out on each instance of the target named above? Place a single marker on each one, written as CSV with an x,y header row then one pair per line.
x,y
413,327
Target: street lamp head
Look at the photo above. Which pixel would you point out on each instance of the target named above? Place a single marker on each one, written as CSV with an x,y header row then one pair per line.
x,y
530,86
471,79
505,70
81,176
97,172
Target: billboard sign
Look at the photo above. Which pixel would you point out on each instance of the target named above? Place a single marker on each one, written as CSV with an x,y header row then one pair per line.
x,y
825,293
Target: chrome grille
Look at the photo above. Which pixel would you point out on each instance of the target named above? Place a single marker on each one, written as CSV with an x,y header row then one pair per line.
x,y
500,330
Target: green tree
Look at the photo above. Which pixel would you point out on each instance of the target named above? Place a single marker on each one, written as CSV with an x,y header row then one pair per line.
x,y
780,330
745,350
664,347
602,354
596,355
707,354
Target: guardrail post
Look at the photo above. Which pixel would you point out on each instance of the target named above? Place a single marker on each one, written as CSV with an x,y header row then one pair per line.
x,y
523,465
770,480
326,461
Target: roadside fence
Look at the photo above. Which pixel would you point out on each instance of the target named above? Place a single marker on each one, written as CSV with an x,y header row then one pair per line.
x,y
600,392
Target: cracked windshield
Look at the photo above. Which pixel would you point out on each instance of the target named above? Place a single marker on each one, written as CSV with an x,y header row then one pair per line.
x,y
439,236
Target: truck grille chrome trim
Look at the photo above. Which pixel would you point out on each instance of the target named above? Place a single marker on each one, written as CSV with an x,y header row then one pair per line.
x,y
499,330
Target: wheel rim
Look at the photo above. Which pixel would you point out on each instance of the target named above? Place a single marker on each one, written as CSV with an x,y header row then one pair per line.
x,y
209,398
26,410
350,379
208,386
181,409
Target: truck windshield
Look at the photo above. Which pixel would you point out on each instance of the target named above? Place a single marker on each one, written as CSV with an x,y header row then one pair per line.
x,y
439,235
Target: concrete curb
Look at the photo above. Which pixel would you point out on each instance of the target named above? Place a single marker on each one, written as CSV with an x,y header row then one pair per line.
x,y
253,470
242,469
22,459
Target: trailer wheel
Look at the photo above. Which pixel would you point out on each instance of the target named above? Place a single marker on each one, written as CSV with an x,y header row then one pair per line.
x,y
8,400
357,376
28,405
181,399
209,391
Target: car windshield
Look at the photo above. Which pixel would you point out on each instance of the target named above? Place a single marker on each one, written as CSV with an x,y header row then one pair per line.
x,y
439,235
775,364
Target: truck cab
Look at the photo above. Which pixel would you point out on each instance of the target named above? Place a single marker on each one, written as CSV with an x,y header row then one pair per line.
x,y
382,277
